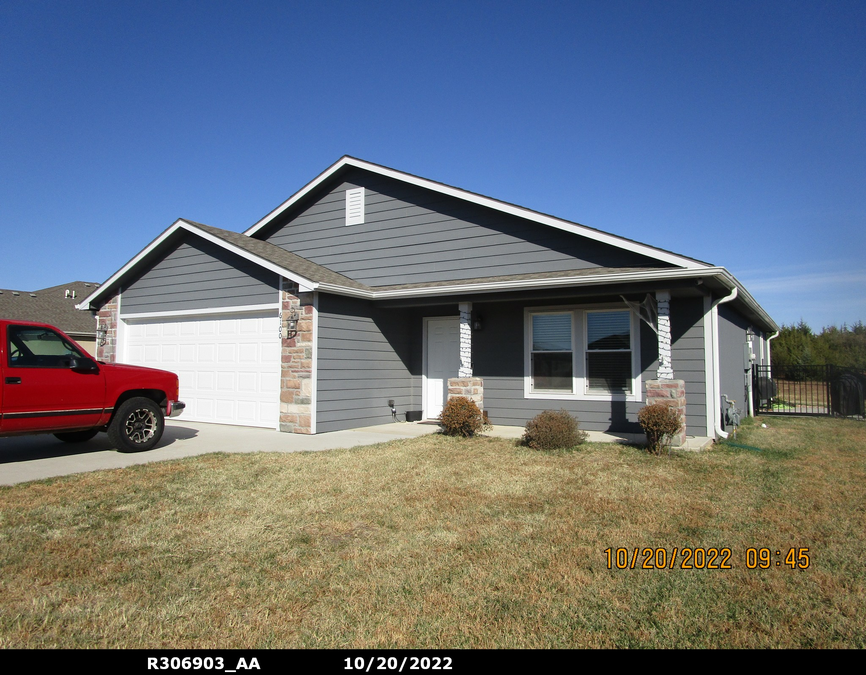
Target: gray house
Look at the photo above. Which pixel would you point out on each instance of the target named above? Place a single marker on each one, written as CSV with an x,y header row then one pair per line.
x,y
371,287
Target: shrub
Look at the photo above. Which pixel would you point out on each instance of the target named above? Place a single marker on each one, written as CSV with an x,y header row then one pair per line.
x,y
461,417
551,430
659,423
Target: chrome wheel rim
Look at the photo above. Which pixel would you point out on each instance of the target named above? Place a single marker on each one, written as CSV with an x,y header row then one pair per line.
x,y
141,425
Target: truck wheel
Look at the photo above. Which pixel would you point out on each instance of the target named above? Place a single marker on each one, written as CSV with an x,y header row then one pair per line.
x,y
77,436
137,425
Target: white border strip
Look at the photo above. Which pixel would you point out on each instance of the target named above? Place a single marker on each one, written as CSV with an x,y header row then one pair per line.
x,y
240,309
314,374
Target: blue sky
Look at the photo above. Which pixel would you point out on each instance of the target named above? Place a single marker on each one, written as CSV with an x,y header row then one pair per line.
x,y
730,132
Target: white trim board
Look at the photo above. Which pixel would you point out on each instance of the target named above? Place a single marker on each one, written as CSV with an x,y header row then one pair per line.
x,y
238,309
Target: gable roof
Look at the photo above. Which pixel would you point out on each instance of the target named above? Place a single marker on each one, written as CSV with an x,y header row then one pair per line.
x,y
305,273
311,276
346,162
55,305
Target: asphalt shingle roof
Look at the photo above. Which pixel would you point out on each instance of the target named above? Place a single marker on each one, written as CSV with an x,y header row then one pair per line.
x,y
51,305
279,256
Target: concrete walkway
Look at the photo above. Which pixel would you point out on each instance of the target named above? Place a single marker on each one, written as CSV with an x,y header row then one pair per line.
x,y
26,458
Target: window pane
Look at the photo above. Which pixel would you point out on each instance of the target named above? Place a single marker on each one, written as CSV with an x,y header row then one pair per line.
x,y
29,347
551,332
608,330
609,372
552,372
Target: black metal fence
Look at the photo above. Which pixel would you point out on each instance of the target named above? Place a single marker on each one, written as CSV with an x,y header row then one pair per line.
x,y
809,390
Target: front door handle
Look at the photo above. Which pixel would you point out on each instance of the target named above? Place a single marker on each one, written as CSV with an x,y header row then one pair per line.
x,y
13,380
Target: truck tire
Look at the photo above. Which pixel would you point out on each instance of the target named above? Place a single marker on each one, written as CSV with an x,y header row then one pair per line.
x,y
137,425
77,436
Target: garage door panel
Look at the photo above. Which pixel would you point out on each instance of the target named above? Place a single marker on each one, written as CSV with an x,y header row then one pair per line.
x,y
204,381
229,367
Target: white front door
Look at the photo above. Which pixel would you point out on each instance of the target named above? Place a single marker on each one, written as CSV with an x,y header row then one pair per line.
x,y
442,362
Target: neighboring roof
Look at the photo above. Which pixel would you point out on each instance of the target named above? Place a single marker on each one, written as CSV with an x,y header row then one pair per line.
x,y
346,162
55,305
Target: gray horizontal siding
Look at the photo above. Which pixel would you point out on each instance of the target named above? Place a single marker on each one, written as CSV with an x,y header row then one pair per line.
x,y
505,404
196,274
364,359
687,357
498,358
732,340
415,235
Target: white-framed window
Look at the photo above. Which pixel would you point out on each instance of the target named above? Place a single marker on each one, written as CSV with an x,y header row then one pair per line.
x,y
582,353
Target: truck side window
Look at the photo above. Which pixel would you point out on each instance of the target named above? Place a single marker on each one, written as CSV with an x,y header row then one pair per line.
x,y
37,347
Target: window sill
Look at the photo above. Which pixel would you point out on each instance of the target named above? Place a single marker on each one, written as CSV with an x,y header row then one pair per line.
x,y
551,396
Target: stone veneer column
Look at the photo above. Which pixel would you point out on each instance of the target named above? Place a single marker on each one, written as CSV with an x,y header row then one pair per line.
x,y
469,387
671,393
465,369
665,370
296,361
106,319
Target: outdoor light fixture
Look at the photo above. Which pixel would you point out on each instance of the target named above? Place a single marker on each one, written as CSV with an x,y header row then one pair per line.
x,y
101,336
478,322
292,323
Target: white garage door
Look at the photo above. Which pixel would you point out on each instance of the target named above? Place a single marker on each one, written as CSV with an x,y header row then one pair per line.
x,y
228,365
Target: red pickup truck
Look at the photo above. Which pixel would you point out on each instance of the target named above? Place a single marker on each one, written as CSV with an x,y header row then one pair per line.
x,y
49,384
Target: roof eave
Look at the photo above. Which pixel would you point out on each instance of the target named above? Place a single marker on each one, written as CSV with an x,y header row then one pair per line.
x,y
109,285
720,273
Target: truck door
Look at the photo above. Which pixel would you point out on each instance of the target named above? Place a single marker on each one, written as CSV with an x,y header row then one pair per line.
x,y
45,387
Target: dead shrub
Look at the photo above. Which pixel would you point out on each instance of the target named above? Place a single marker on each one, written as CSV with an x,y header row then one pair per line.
x,y
552,430
461,417
659,422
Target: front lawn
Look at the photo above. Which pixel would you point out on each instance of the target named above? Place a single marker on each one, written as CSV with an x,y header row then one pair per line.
x,y
448,543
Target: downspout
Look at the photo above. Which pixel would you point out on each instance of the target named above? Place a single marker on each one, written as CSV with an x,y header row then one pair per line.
x,y
717,394
769,351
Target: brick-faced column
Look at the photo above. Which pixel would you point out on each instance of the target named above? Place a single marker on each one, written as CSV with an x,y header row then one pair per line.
x,y
671,393
468,387
107,319
465,369
296,359
665,369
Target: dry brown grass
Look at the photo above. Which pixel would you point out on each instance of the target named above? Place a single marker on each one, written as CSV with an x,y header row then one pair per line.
x,y
442,542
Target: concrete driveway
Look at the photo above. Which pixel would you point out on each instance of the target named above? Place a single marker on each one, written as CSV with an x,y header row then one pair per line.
x,y
25,458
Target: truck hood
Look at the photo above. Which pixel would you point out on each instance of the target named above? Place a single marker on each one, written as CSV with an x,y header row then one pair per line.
x,y
126,369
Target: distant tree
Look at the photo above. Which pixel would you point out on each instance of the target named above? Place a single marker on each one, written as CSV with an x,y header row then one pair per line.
x,y
799,345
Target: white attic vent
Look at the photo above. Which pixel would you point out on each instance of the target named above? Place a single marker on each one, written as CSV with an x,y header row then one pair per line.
x,y
355,206
70,294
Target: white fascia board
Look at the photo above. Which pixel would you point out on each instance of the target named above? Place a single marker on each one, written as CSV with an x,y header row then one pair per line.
x,y
303,283
520,284
300,194
744,296
557,282
504,207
